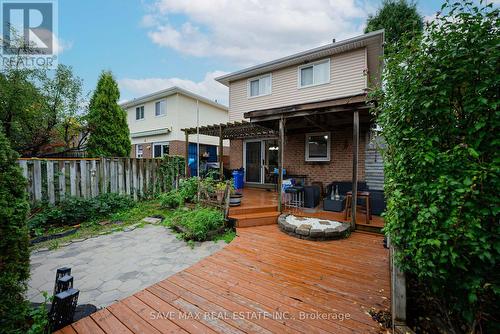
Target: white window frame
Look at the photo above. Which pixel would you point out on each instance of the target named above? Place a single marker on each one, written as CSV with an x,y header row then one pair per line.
x,y
161,143
165,112
137,151
299,73
143,113
258,78
328,146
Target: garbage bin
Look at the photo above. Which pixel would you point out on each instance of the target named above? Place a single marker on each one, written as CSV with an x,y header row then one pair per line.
x,y
238,178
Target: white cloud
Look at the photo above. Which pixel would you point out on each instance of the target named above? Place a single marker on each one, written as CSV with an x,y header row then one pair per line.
x,y
208,87
252,31
61,45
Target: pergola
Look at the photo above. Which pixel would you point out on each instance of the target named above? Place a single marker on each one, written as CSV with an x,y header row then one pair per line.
x,y
232,130
352,110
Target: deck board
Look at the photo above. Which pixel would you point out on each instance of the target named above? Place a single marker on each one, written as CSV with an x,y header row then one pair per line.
x,y
263,282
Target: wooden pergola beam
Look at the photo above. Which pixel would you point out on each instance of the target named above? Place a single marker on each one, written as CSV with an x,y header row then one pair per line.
x,y
281,146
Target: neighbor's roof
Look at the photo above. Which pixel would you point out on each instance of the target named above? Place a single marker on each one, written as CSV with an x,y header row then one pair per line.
x,y
167,92
303,57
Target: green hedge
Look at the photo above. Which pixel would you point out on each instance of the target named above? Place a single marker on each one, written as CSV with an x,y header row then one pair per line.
x,y
75,210
14,252
439,113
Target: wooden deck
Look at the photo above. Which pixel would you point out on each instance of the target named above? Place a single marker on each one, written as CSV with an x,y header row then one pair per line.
x,y
263,282
259,204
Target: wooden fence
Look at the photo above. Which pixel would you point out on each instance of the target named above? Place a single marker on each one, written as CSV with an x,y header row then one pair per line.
x,y
53,179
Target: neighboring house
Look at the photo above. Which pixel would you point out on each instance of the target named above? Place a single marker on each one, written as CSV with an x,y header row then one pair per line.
x,y
155,122
319,97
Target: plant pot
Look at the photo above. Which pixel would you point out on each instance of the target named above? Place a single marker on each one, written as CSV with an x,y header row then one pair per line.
x,y
234,200
220,195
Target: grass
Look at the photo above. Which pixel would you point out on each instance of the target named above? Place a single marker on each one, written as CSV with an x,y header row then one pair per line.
x,y
128,217
92,228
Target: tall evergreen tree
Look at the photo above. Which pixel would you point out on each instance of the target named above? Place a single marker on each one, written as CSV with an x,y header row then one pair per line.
x,y
14,251
397,17
107,121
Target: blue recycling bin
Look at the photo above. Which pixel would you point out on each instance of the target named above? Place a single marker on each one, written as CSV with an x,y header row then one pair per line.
x,y
238,178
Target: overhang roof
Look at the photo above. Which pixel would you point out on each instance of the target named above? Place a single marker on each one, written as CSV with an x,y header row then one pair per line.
x,y
304,57
354,102
167,92
233,130
155,132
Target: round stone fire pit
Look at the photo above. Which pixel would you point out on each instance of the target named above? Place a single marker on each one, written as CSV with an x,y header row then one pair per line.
x,y
312,228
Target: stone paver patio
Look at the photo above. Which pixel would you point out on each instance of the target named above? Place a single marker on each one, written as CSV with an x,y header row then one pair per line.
x,y
114,266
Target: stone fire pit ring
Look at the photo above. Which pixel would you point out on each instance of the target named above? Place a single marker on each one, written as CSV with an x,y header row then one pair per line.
x,y
313,228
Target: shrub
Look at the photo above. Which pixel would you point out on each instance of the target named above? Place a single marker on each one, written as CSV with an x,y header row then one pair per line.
x,y
440,118
170,169
189,189
172,199
14,252
75,210
198,222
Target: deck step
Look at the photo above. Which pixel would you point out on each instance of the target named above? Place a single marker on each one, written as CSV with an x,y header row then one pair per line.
x,y
240,210
256,219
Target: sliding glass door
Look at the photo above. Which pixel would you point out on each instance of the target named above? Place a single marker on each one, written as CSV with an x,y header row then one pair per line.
x,y
253,161
261,159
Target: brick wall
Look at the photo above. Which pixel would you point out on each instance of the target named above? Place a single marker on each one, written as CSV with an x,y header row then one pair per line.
x,y
176,147
340,166
338,169
146,150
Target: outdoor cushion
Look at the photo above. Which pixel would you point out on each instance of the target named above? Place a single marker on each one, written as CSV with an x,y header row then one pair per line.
x,y
311,196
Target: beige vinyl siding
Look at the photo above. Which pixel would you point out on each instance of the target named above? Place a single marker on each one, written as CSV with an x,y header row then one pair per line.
x,y
181,113
346,78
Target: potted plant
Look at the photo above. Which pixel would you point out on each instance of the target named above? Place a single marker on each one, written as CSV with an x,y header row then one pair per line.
x,y
234,198
220,187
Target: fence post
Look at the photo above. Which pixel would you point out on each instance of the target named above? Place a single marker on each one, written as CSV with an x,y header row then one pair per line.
x,y
62,179
141,177
83,178
94,177
50,182
121,185
37,179
147,165
134,178
72,177
127,176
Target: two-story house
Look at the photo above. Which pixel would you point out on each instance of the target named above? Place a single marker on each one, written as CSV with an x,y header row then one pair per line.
x,y
308,114
155,122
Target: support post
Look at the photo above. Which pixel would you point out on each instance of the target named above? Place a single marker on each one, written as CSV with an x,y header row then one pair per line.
x,y
186,155
355,152
281,147
221,153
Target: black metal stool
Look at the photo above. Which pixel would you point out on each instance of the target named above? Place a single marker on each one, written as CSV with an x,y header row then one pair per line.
x,y
295,198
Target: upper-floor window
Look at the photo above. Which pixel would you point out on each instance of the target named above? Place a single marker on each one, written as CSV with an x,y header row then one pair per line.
x,y
314,73
161,108
259,86
139,113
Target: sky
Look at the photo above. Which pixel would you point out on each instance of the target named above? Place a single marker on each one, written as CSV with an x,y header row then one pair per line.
x,y
151,45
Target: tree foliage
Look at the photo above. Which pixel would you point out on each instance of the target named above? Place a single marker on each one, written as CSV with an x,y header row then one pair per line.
x,y
398,18
440,117
34,103
107,121
14,252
